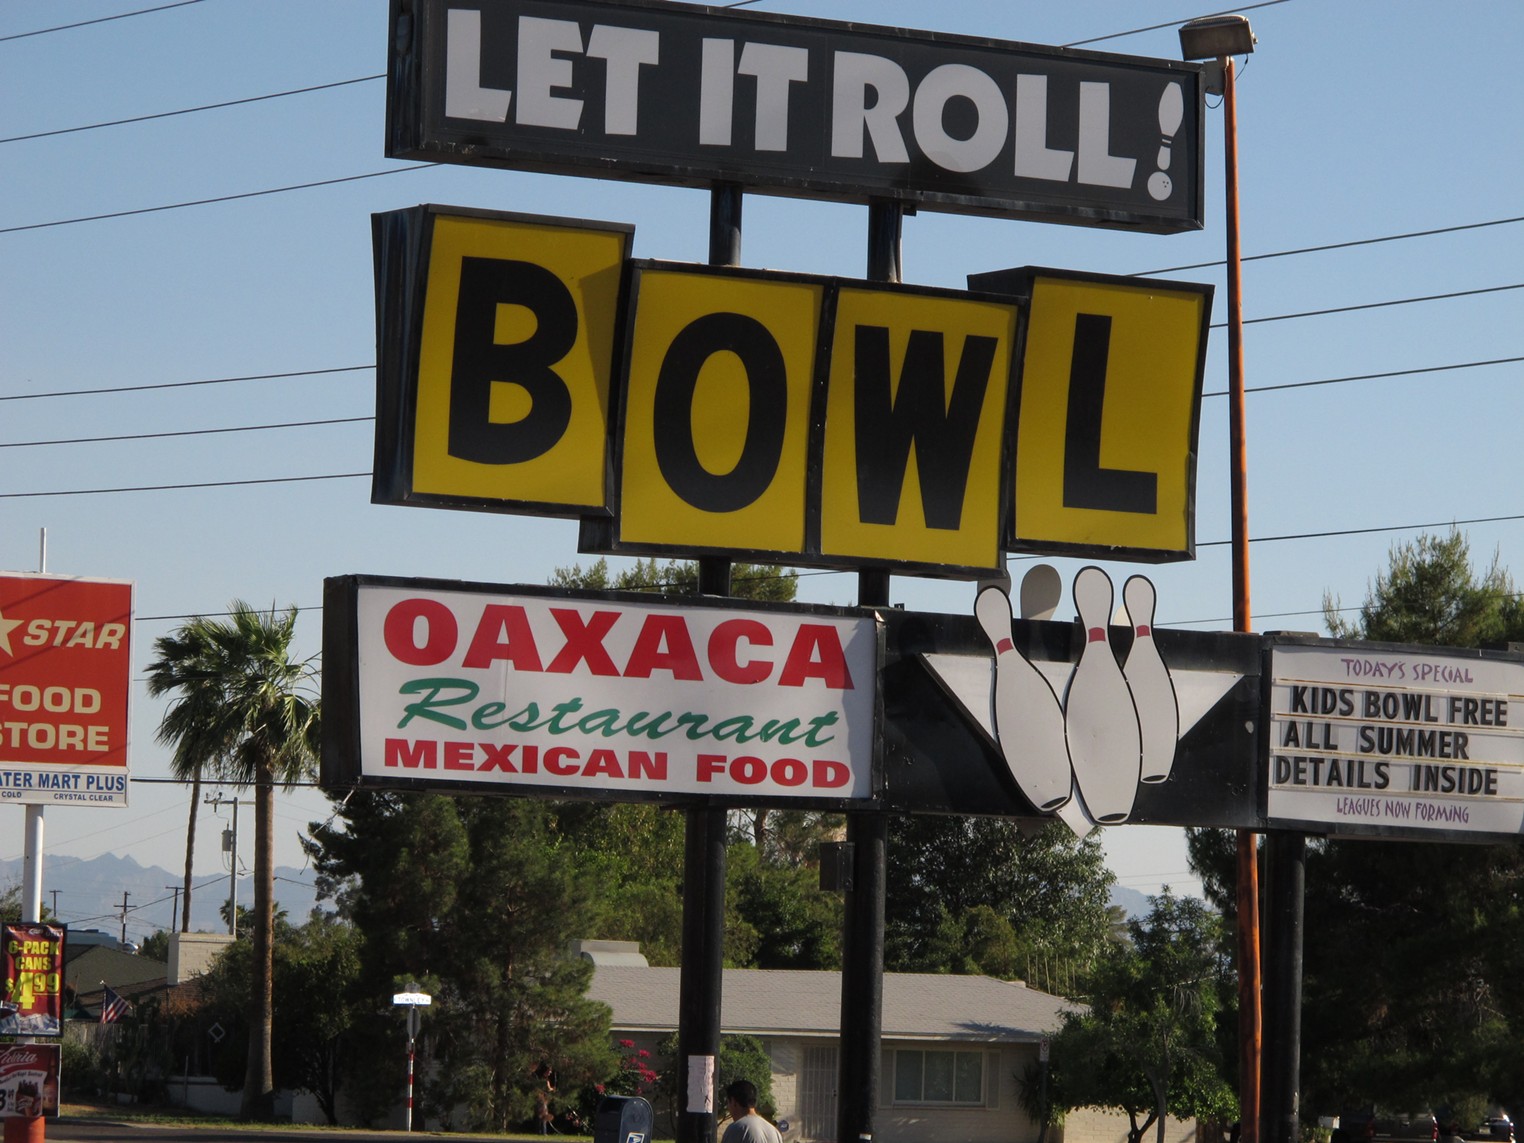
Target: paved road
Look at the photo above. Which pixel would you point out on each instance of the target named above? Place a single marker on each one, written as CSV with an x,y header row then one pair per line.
x,y
67,1130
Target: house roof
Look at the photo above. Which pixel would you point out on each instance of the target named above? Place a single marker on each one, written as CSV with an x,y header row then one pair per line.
x,y
121,970
919,1006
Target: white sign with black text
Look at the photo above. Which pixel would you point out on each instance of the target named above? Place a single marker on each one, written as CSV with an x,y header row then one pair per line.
x,y
1393,740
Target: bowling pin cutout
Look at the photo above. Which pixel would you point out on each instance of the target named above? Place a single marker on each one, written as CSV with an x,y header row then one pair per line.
x,y
1041,589
1153,691
1029,723
1100,721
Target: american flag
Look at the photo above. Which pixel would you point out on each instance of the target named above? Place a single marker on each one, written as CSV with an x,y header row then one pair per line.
x,y
113,1007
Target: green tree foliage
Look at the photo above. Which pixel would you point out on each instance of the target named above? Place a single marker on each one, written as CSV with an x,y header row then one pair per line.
x,y
317,972
787,921
747,581
1413,988
1431,595
1146,1041
977,895
480,896
246,709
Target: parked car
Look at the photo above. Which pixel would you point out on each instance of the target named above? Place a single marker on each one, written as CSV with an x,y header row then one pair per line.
x,y
1366,1123
1498,1127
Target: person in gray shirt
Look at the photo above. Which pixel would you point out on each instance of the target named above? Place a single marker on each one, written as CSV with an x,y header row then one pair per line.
x,y
746,1126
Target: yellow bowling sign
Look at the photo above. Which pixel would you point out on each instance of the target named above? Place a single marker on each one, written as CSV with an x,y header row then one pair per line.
x,y
528,365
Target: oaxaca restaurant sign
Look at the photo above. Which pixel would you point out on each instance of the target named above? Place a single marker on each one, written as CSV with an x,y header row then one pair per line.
x,y
618,696
1376,739
65,665
677,93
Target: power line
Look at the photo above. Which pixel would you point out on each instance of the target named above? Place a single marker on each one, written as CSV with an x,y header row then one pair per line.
x,y
190,110
219,198
184,384
1339,245
187,485
1171,24
99,20
1372,376
1378,305
1450,367
186,433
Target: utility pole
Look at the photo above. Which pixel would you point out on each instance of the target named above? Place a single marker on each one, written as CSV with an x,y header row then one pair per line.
x,y
174,914
55,903
125,895
230,847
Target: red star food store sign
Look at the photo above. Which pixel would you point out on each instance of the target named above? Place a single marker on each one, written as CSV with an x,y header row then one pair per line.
x,y
65,662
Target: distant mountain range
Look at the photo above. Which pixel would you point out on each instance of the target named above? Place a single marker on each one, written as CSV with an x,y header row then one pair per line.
x,y
1130,901
88,894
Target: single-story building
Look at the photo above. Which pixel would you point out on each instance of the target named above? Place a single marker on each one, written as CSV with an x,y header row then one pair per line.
x,y
953,1047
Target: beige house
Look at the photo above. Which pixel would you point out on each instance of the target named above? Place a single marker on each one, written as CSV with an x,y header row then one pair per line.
x,y
953,1047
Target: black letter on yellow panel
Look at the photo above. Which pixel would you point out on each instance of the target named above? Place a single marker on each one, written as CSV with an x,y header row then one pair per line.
x,y
767,411
486,284
942,431
1086,483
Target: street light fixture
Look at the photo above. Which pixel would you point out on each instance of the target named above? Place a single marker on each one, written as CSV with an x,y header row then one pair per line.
x,y
1216,37
1220,38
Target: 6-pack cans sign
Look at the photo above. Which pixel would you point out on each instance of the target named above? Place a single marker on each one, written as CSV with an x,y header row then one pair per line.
x,y
594,694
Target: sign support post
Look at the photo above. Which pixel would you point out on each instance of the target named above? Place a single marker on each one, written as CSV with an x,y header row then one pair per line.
x,y
31,860
862,953
701,983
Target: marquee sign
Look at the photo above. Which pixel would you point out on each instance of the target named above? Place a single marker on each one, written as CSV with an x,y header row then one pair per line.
x,y
1378,739
781,417
601,695
678,93
65,659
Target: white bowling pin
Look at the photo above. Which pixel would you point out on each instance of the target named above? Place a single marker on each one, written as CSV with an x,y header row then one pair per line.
x,y
1100,721
1029,722
1153,691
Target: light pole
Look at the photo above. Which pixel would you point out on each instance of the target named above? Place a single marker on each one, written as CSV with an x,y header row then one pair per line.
x,y
1220,38
412,1000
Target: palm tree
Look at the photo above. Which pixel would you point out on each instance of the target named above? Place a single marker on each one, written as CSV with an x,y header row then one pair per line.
x,y
185,660
248,712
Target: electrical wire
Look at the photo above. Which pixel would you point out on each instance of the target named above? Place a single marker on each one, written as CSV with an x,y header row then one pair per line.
x,y
98,20
184,384
1377,305
1171,24
218,199
1327,246
186,433
190,110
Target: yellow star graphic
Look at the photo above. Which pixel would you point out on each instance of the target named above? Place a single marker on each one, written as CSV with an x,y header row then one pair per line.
x,y
6,627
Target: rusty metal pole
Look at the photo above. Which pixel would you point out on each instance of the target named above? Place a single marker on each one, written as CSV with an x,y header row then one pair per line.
x,y
1250,1012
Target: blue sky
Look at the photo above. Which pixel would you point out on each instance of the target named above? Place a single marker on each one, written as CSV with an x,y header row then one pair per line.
x,y
1358,120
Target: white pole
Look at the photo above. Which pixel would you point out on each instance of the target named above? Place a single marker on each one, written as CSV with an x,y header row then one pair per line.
x,y
31,904
31,858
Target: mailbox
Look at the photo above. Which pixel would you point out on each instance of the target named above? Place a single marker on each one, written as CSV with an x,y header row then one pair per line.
x,y
622,1119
